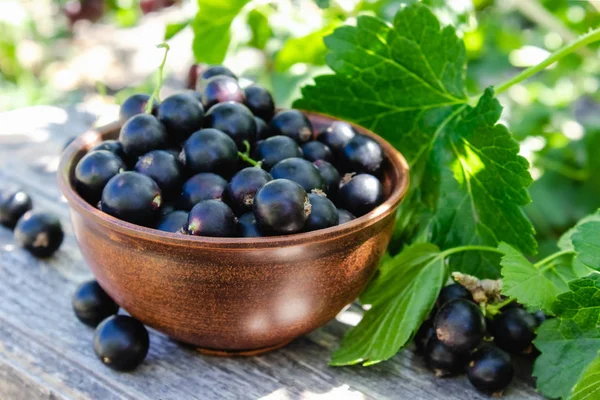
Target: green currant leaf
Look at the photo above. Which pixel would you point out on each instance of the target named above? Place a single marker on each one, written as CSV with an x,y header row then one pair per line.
x,y
308,49
406,82
586,241
401,296
570,342
588,386
566,240
211,28
173,29
258,22
529,285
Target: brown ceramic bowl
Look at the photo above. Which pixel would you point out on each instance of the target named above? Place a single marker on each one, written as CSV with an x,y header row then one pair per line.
x,y
240,295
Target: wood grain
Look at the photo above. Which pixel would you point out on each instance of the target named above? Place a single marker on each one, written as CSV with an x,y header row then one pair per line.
x,y
45,353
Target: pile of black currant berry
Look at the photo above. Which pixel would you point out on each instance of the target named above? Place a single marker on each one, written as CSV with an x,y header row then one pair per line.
x,y
459,337
39,232
120,341
238,169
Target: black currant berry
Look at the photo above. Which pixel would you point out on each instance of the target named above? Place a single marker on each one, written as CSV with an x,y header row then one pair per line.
x,y
212,218
275,149
260,102
210,150
196,95
337,135
331,176
210,72
121,342
200,187
182,115
243,187
39,232
293,124
362,154
13,204
142,133
134,105
460,325
323,213
314,151
220,89
490,370
423,335
247,226
92,305
235,120
93,171
262,130
281,207
301,171
164,169
361,194
132,197
514,330
442,360
344,216
453,292
114,146
175,221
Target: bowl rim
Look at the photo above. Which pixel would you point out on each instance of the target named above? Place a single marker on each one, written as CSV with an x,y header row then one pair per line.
x,y
90,138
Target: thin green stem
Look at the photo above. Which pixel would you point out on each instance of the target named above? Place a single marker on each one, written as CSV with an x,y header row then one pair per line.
x,y
460,249
553,257
246,156
493,309
584,40
155,94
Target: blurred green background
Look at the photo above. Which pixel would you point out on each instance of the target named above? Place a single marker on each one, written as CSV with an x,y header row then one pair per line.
x,y
100,51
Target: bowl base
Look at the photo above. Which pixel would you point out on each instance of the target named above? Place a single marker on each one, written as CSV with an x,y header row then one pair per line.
x,y
241,353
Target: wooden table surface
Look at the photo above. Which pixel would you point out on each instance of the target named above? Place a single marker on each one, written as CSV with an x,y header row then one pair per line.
x,y
46,353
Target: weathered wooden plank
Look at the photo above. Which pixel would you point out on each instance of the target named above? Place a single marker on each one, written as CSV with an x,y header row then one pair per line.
x,y
46,353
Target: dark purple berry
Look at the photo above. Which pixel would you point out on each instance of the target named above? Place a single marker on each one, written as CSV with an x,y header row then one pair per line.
x,y
235,120
275,149
260,102
442,360
247,226
121,342
323,213
134,105
344,216
243,187
212,218
94,171
164,169
331,176
362,154
174,221
132,197
361,194
453,292
92,305
182,115
490,370
301,171
337,135
200,187
262,130
210,72
281,207
39,232
423,335
220,89
314,151
514,330
293,124
459,325
13,204
114,146
210,150
142,133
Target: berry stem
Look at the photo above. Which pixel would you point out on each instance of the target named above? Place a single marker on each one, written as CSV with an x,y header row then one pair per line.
x,y
493,309
460,249
584,40
155,94
246,156
552,257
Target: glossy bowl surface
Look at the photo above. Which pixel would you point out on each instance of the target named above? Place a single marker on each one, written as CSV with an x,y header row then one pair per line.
x,y
232,294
